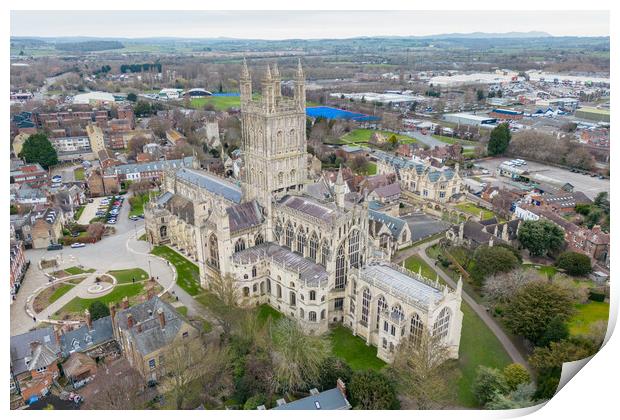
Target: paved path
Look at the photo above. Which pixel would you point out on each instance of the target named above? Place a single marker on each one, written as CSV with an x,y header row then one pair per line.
x,y
480,310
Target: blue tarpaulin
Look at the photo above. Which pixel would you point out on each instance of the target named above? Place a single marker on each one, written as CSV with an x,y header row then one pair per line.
x,y
337,114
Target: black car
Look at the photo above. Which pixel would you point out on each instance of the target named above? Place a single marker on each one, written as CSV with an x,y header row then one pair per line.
x,y
54,247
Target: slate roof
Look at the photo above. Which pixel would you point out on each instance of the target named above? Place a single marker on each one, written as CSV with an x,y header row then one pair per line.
x,y
318,190
181,207
244,216
20,346
332,399
152,337
212,183
163,199
326,212
311,273
397,282
158,165
83,339
395,224
41,356
390,190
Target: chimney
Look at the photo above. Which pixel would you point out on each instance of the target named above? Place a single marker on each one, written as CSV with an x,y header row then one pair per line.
x,y
130,322
57,333
341,387
162,318
89,319
125,302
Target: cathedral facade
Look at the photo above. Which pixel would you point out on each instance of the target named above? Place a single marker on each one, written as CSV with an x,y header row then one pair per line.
x,y
309,258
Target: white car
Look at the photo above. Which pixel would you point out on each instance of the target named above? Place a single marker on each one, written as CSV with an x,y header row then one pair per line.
x,y
78,245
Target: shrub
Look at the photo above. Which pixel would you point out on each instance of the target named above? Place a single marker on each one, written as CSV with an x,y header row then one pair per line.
x,y
370,390
487,383
575,263
254,401
515,374
597,296
98,310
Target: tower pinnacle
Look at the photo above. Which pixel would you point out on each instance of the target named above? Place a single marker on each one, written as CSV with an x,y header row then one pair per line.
x,y
300,70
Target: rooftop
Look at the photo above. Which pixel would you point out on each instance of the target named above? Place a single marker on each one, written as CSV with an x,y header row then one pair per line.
x,y
325,212
212,183
332,399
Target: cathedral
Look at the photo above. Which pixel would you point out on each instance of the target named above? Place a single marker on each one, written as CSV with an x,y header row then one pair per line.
x,y
310,258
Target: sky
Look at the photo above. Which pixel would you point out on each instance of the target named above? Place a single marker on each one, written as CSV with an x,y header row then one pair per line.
x,y
301,24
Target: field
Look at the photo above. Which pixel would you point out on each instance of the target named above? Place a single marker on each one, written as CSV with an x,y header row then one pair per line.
x,y
362,135
475,210
188,276
221,103
354,350
127,276
586,315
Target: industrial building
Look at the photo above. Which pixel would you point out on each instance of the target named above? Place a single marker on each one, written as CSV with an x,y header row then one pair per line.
x,y
463,118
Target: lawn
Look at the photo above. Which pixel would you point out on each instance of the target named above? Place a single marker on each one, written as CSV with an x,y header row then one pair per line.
x,y
78,270
78,305
354,350
188,275
79,212
453,140
362,135
475,210
58,293
479,346
50,295
78,174
182,310
414,263
545,270
265,312
127,276
137,204
221,103
586,315
142,237
371,168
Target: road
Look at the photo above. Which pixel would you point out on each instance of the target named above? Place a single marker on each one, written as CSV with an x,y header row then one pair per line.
x,y
481,311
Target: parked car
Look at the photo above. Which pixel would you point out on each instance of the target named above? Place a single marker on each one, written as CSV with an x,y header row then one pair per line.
x,y
75,234
54,247
134,218
78,245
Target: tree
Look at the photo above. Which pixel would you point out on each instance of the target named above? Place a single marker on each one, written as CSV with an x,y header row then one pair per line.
x,y
499,140
421,372
98,310
515,375
575,263
38,149
136,145
297,357
501,287
118,392
540,236
487,383
132,97
491,260
142,109
556,330
359,164
521,397
534,307
333,369
370,390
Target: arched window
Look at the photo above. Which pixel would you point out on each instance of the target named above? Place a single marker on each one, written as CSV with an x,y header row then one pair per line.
x,y
312,295
253,271
246,291
214,254
324,254
397,313
366,298
255,288
301,313
269,286
341,269
323,314
381,306
163,231
354,248
301,242
289,236
442,323
277,233
292,176
239,245
258,239
312,316
415,330
279,291
293,299
314,244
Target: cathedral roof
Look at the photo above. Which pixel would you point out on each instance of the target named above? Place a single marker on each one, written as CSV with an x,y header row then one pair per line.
x,y
212,183
326,212
395,224
243,216
309,272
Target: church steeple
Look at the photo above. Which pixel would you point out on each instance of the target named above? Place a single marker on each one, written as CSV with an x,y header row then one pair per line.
x,y
300,88
245,83
277,81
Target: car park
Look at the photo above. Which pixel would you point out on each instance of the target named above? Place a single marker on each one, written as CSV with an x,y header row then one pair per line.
x,y
78,245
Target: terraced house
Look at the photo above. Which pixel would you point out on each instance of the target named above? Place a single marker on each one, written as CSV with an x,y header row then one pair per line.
x,y
308,256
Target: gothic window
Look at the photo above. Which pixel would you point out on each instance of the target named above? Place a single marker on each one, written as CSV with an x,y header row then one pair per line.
x,y
280,178
289,236
314,244
397,313
366,297
381,306
301,242
301,313
258,239
312,316
279,291
253,271
293,177
338,304
352,307
312,295
415,330
278,232
255,287
239,245
246,291
323,314
324,253
404,236
279,137
269,286
293,299
341,273
163,231
214,257
354,248
440,328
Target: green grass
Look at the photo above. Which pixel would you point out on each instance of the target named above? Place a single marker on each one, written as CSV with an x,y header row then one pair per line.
x,y
79,212
142,237
452,140
479,346
79,174
126,276
58,293
221,103
206,326
182,310
265,312
188,276
137,204
77,270
545,270
362,135
78,305
354,350
371,169
475,210
414,263
586,315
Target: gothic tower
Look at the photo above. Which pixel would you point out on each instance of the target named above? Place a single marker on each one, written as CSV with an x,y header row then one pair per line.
x,y
273,131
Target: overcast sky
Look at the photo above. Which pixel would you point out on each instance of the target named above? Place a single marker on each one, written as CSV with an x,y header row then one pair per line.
x,y
298,24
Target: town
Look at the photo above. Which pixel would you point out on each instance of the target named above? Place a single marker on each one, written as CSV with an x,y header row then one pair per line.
x,y
238,224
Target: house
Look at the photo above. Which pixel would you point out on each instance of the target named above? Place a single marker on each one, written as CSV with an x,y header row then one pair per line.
x,y
100,185
386,194
47,229
79,369
174,137
331,399
150,170
486,232
31,174
19,265
147,331
87,338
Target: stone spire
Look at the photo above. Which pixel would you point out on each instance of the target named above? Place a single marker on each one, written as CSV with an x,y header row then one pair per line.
x,y
300,88
245,84
245,73
300,70
275,72
277,81
339,189
268,73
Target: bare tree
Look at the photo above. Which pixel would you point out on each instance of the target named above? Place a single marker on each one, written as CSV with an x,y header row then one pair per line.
x,y
118,392
499,288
